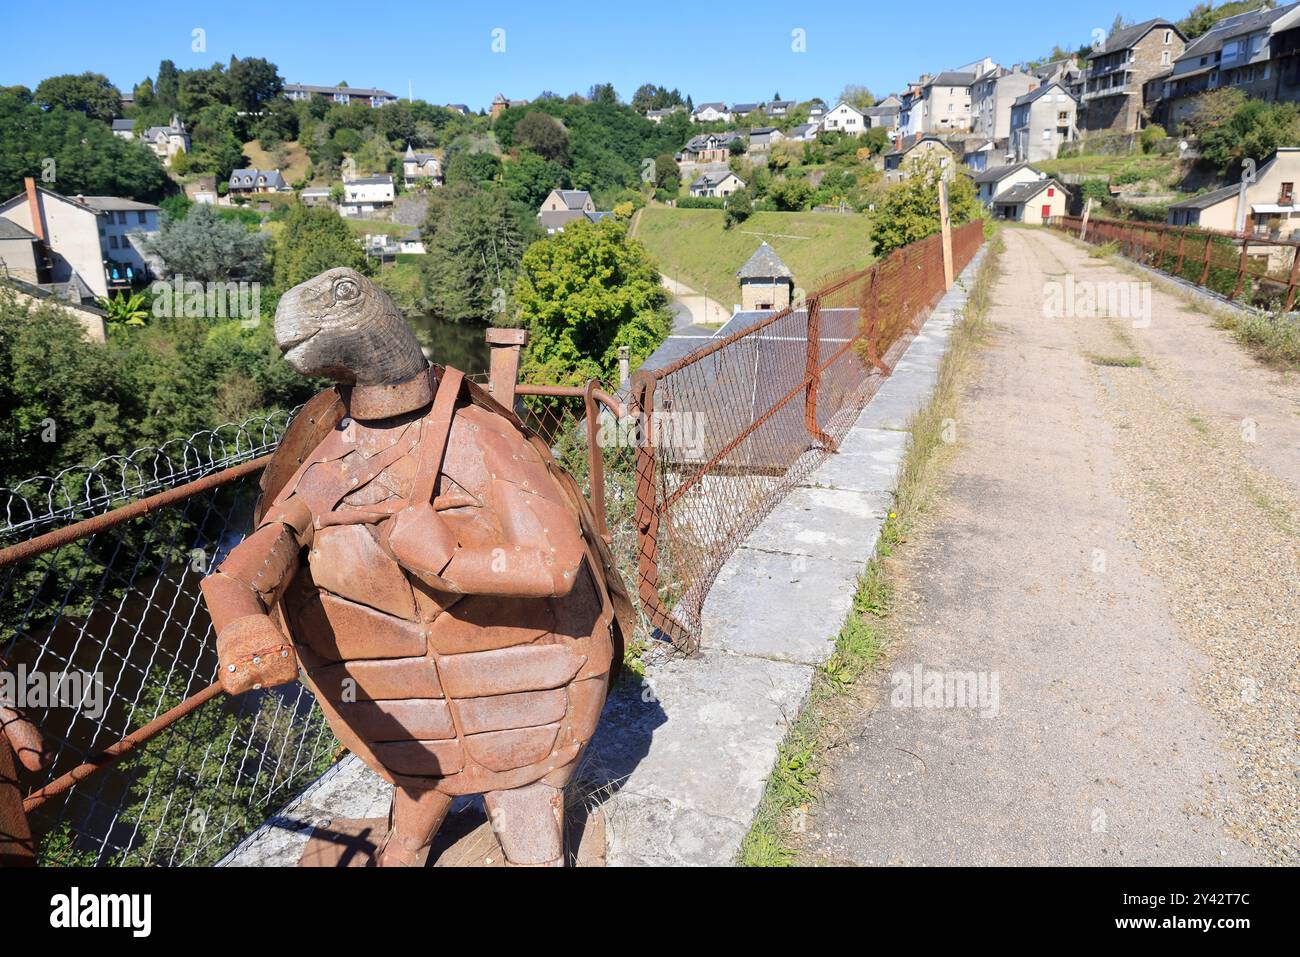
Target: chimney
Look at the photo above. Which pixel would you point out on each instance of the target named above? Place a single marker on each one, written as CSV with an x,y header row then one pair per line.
x,y
34,204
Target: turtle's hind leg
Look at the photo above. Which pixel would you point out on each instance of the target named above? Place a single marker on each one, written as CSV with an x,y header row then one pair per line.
x,y
529,823
414,819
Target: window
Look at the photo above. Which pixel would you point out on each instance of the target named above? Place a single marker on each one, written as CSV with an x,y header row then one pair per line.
x,y
141,218
112,242
1169,36
1050,192
121,217
1284,198
1164,58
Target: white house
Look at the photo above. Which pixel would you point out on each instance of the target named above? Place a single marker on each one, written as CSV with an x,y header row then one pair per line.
x,y
845,119
411,243
717,184
991,182
124,129
366,194
711,113
93,243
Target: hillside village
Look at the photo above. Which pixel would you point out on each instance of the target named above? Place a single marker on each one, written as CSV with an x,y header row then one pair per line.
x,y
1151,123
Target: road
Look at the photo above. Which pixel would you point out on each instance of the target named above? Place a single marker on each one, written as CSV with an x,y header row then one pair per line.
x,y
693,308
1116,554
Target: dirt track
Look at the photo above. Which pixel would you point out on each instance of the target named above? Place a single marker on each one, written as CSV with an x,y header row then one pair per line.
x,y
1118,547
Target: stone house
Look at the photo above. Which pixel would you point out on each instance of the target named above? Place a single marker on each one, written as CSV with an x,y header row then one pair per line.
x,y
766,283
1119,68
899,160
243,182
1042,121
167,141
420,166
709,148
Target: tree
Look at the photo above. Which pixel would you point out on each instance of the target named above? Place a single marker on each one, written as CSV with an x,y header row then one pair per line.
x,y
167,85
88,93
208,248
312,240
543,135
251,83
910,209
1255,129
87,157
470,167
667,174
790,195
475,239
604,94
876,140
582,294
857,96
740,206
529,178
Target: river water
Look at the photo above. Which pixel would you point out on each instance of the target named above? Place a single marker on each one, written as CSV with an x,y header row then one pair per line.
x,y
462,346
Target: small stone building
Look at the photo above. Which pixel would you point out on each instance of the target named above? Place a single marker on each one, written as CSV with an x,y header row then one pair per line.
x,y
765,281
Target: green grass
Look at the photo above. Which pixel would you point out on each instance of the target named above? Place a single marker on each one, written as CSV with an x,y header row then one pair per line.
x,y
293,171
792,786
692,246
1273,338
1134,168
1119,362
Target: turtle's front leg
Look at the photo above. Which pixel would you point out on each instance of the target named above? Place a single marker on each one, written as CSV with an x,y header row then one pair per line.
x,y
529,823
252,651
412,824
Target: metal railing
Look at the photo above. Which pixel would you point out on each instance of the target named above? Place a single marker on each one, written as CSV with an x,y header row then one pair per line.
x,y
729,428
677,475
1246,268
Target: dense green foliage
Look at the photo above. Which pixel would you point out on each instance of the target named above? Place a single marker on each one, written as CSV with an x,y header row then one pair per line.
x,y
583,293
910,209
312,240
87,157
208,247
1205,15
475,239
1231,127
90,94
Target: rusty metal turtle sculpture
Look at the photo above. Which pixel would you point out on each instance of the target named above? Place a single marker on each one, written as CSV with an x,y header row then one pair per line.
x,y
433,575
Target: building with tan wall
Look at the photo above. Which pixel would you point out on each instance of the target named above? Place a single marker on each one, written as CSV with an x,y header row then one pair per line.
x,y
1270,202
1033,202
766,283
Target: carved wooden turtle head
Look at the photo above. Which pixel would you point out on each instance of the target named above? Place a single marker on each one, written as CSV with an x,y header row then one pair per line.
x,y
341,325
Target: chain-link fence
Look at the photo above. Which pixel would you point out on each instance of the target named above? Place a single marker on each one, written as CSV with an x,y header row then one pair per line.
x,y
103,630
100,567
732,426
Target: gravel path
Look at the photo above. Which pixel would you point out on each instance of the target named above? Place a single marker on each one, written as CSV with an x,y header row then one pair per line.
x,y
1115,555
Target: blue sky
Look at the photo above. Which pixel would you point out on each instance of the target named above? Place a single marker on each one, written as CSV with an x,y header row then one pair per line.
x,y
446,53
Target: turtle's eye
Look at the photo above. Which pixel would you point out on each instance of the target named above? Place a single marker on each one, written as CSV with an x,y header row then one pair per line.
x,y
346,289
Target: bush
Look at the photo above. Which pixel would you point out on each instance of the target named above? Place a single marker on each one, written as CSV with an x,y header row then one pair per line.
x,y
1151,136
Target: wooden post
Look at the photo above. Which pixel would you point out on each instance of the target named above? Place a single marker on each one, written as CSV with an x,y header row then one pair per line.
x,y
1087,211
945,227
503,372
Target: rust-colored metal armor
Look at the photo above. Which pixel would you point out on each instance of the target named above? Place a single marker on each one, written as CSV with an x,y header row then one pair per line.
x,y
437,576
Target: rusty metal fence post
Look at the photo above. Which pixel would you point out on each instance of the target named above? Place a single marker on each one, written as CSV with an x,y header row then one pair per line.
x,y
812,374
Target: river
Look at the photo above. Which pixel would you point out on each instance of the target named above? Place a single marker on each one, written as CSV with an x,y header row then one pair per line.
x,y
461,345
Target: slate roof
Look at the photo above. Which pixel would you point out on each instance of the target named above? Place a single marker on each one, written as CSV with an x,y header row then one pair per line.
x,y
1127,37
123,126
1035,94
385,179
1206,200
744,107
331,90
720,107
11,230
906,146
273,178
764,264
952,78
1024,192
574,199
105,203
999,173
1213,39
711,179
